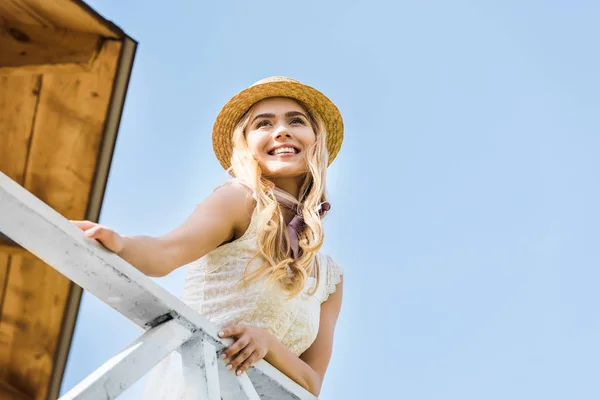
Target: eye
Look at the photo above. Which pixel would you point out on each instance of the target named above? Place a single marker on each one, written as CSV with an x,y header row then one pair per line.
x,y
297,121
262,123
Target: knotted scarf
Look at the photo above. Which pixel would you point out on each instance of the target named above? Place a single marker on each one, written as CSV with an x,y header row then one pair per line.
x,y
297,224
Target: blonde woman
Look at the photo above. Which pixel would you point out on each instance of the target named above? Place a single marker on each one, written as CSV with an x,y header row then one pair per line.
x,y
252,247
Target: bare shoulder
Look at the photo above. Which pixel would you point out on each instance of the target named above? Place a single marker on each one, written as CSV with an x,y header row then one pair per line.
x,y
219,219
237,201
233,194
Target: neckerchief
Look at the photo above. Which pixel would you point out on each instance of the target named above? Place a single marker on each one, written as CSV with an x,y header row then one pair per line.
x,y
297,224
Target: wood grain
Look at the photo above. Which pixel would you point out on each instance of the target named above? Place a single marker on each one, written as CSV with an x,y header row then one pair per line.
x,y
18,103
67,14
31,309
7,392
35,49
67,132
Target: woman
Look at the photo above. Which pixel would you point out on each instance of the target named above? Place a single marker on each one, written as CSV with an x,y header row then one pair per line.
x,y
252,247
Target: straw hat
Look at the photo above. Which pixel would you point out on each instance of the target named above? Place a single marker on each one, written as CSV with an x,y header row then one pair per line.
x,y
276,86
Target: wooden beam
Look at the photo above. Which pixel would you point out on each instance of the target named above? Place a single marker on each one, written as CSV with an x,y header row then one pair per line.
x,y
26,353
66,134
74,15
123,370
242,388
9,392
31,49
19,96
200,370
4,270
18,104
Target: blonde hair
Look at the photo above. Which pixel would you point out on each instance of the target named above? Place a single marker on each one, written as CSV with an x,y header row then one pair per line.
x,y
273,242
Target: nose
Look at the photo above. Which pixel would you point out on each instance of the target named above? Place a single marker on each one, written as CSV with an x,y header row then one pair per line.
x,y
281,132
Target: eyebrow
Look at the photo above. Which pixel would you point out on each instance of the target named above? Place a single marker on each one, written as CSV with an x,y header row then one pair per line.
x,y
287,114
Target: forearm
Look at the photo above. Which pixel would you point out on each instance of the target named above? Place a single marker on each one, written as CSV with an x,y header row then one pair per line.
x,y
292,366
147,254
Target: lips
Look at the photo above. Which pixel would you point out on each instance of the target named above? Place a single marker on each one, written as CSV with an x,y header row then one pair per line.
x,y
283,149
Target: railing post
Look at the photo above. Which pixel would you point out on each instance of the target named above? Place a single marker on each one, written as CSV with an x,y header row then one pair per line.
x,y
124,369
200,370
236,387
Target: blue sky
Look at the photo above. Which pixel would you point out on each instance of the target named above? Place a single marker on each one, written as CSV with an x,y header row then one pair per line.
x,y
464,200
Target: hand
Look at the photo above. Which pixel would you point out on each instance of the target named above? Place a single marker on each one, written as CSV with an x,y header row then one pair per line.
x,y
251,344
109,238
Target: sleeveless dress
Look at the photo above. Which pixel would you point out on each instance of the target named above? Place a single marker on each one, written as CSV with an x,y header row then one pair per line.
x,y
210,288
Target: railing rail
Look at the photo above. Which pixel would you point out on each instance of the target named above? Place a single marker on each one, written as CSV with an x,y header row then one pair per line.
x,y
169,324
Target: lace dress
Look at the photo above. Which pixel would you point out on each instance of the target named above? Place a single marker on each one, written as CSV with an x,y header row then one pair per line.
x,y
210,289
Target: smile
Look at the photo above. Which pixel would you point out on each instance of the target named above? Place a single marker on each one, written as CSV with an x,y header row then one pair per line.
x,y
284,150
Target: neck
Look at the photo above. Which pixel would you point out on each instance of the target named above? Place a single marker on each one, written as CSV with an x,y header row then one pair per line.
x,y
289,185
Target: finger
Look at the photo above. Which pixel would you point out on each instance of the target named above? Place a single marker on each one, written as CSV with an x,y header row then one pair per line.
x,y
235,348
97,232
233,330
84,225
241,357
254,357
104,236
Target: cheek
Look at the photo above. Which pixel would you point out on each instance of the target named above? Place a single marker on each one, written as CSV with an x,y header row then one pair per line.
x,y
309,138
254,143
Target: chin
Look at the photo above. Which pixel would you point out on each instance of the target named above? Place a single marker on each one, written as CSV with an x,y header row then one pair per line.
x,y
283,171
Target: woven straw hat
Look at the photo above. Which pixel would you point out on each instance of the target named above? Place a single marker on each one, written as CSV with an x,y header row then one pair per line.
x,y
276,86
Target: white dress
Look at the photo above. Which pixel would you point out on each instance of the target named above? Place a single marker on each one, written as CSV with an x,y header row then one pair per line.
x,y
210,289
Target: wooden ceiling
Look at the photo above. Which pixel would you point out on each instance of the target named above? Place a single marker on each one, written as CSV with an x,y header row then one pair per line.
x,y
64,72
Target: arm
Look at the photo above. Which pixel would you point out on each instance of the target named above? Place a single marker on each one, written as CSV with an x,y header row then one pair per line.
x,y
222,216
215,221
318,355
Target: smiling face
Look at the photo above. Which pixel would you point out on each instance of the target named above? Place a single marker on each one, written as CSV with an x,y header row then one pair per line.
x,y
279,133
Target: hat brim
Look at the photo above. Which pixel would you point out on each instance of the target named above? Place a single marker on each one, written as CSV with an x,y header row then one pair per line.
x,y
238,105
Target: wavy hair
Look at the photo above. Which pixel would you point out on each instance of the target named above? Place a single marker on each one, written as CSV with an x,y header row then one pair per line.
x,y
273,243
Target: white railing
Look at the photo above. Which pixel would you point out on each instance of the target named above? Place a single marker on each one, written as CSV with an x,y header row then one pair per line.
x,y
169,324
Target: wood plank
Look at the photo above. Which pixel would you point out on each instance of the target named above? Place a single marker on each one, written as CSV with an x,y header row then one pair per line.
x,y
200,370
31,310
123,370
18,102
68,14
18,11
28,49
68,132
9,249
4,268
235,387
7,392
66,137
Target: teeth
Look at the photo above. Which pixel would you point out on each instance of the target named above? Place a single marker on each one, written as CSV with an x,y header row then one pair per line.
x,y
284,150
